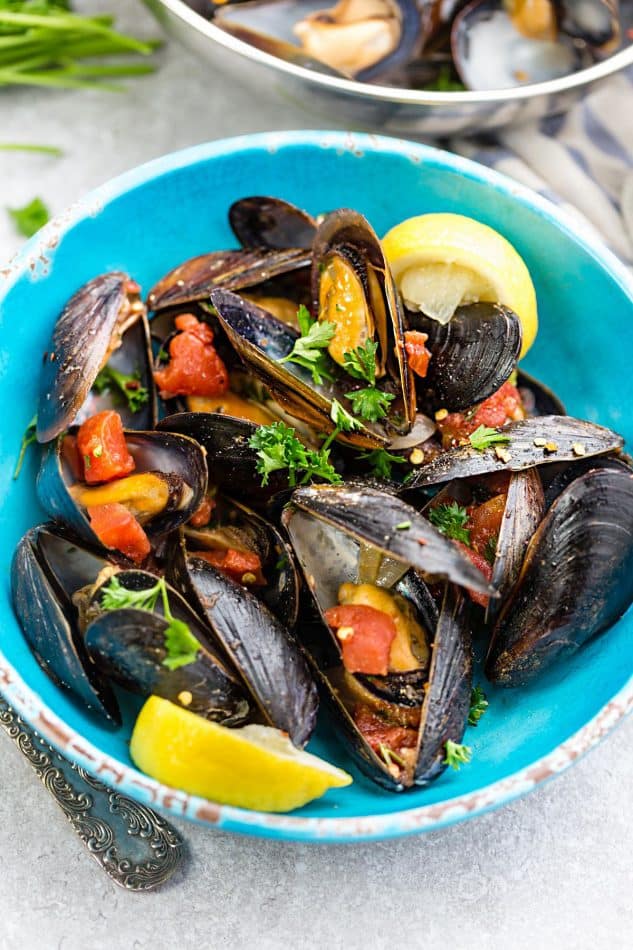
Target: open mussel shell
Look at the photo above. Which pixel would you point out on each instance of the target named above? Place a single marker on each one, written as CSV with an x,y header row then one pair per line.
x,y
345,236
471,356
233,270
537,398
258,645
232,462
233,525
564,474
538,441
262,221
262,341
48,566
595,22
329,525
104,322
576,579
179,460
128,646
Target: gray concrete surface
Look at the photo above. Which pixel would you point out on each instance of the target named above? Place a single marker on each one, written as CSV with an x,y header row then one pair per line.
x,y
553,870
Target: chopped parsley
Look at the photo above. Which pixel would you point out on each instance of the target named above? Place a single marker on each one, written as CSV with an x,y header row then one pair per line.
x,y
29,219
180,644
28,438
308,349
450,520
278,448
361,362
370,403
342,419
478,705
456,754
126,386
483,437
381,462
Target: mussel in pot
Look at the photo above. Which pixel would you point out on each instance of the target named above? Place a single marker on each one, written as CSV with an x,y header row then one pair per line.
x,y
393,661
99,358
271,222
576,579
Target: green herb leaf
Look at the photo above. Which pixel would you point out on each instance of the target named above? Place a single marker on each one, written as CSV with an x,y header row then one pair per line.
x,y
278,448
361,362
389,756
483,437
403,526
450,520
381,462
307,352
342,419
445,81
456,754
128,387
115,597
478,705
29,219
28,438
490,550
371,404
181,645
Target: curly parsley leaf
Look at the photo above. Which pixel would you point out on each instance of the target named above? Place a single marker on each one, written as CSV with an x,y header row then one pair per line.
x,y
29,219
483,437
450,519
127,386
308,348
181,645
478,705
28,438
456,754
361,362
278,448
371,404
381,462
342,419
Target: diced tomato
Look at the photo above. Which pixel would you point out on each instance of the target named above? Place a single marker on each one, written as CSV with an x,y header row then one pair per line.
x,y
245,567
101,444
202,514
502,407
378,732
486,569
418,354
194,368
117,528
484,521
365,636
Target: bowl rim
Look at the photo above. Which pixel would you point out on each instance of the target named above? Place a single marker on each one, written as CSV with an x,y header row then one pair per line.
x,y
126,779
575,81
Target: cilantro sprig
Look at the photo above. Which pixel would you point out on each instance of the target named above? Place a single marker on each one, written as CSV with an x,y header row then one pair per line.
x,y
369,403
450,520
308,348
478,705
181,645
483,437
278,448
28,438
456,754
125,385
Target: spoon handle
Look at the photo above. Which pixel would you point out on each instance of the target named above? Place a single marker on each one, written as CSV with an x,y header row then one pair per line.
x,y
138,849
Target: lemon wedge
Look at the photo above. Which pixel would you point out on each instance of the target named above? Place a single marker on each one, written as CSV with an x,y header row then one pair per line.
x,y
441,261
252,767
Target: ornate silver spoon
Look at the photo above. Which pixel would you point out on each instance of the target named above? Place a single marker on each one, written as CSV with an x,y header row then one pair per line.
x,y
136,848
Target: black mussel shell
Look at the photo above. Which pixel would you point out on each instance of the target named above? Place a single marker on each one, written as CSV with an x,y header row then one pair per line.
x,y
576,579
262,221
596,22
262,341
178,459
564,474
537,441
101,315
326,525
538,399
471,356
233,270
263,651
45,561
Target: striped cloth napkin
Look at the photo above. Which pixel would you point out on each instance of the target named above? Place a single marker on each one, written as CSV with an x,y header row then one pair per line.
x,y
582,160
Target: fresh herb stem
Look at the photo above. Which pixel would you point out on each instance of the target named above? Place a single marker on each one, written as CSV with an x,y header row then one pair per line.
x,y
28,438
52,150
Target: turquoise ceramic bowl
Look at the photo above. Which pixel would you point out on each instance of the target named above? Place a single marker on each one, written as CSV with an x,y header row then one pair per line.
x,y
156,216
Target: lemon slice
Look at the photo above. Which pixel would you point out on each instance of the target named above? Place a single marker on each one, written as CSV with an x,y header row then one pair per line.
x,y
441,261
252,767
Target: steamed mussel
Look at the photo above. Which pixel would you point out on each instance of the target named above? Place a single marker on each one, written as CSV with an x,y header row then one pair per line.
x,y
353,481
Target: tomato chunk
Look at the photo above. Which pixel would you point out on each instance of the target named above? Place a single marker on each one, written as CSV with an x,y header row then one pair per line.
x,y
484,521
378,732
502,407
117,528
365,636
101,444
194,367
202,514
486,569
418,354
245,567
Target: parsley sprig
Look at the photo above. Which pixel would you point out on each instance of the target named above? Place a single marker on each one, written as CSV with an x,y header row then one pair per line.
x,y
278,448
483,437
456,754
28,438
125,385
478,705
29,219
450,520
308,349
369,403
381,462
181,645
